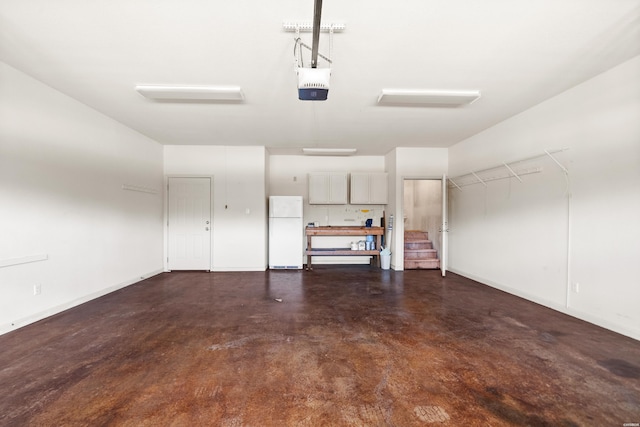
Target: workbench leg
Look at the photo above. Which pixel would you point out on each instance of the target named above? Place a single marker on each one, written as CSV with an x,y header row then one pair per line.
x,y
309,266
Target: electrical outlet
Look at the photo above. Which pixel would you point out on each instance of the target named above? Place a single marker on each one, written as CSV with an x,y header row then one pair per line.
x,y
37,289
576,287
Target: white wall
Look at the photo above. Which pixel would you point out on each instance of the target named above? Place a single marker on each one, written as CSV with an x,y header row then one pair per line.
x,y
410,163
62,167
288,176
239,200
539,238
394,205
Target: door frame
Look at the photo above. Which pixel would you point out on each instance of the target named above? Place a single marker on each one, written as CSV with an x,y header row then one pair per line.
x,y
444,227
399,225
165,228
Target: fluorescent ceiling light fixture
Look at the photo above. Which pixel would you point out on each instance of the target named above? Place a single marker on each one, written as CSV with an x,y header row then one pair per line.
x,y
428,98
188,93
329,151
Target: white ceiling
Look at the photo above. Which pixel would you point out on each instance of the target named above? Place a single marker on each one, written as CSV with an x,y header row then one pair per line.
x,y
516,52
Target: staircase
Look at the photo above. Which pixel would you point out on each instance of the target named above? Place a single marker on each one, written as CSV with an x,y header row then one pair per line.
x,y
418,251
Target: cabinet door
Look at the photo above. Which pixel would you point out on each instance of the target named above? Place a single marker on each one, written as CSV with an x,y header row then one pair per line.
x,y
378,188
328,188
359,188
318,188
369,188
338,188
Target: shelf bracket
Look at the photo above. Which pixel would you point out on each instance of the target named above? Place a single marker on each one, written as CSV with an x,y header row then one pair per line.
x,y
512,172
454,183
566,172
478,178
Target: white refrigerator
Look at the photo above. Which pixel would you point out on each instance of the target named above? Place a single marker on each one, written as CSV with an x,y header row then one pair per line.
x,y
286,232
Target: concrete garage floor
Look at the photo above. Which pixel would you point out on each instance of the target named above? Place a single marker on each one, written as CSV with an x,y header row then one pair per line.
x,y
347,346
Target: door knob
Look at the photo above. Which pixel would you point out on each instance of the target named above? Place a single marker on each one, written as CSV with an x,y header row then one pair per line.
x,y
206,228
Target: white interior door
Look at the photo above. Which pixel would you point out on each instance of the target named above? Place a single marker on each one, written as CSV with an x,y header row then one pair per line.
x,y
444,229
189,224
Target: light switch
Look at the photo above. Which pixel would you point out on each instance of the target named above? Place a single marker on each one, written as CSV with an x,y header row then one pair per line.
x,y
247,211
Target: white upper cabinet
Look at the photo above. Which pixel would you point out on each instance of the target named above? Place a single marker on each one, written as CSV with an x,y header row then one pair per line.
x,y
369,188
359,188
328,188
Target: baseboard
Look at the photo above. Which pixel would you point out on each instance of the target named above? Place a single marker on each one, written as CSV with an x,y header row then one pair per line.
x,y
17,324
603,323
510,290
232,269
397,267
587,317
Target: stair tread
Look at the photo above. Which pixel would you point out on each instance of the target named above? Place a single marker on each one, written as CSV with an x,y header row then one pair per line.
x,y
420,256
419,251
425,264
422,246
412,234
422,261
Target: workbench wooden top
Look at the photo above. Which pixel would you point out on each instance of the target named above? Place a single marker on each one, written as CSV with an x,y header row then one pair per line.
x,y
343,230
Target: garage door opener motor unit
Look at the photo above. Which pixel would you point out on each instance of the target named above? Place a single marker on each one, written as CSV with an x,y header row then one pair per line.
x,y
313,83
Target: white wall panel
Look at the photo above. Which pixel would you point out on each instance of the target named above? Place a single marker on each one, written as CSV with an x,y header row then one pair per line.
x,y
585,239
62,171
239,200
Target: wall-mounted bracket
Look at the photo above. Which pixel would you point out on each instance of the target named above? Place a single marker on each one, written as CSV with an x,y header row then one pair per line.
x,y
478,178
308,26
512,172
566,172
139,189
472,178
454,183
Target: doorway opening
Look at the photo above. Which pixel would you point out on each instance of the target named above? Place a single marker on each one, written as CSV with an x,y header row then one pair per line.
x,y
422,220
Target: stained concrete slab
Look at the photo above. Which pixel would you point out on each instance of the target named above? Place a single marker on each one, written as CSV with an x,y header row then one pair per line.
x,y
345,346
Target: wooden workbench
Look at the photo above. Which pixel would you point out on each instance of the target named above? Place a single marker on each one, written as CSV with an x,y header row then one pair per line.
x,y
342,231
